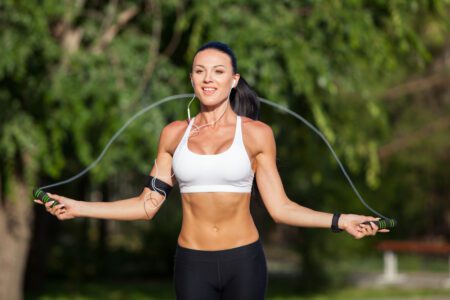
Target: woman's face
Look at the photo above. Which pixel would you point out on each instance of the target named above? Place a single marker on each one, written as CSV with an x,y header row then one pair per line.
x,y
212,76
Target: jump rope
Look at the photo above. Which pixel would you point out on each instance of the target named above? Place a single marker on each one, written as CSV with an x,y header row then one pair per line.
x,y
39,193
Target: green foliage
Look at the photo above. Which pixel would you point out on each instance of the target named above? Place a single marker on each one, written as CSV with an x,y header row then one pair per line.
x,y
73,97
65,88
336,55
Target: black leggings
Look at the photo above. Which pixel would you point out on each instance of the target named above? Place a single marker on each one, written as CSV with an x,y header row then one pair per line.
x,y
237,273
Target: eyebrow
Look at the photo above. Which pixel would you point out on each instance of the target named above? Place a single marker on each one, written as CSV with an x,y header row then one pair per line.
x,y
213,66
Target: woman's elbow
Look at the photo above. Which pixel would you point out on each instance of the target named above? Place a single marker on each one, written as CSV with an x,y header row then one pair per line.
x,y
146,208
277,220
141,210
276,216
278,213
149,213
145,215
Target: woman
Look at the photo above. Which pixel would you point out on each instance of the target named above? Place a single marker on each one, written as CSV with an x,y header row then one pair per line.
x,y
215,157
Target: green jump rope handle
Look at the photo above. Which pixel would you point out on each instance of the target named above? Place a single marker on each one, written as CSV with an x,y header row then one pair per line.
x,y
41,195
383,223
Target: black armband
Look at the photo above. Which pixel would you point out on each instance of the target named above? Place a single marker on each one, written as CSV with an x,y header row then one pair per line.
x,y
159,186
334,223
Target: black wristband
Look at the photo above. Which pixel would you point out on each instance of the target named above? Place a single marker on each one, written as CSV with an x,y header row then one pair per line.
x,y
159,186
334,223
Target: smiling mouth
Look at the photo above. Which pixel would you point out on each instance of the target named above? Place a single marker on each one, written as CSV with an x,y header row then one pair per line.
x,y
209,91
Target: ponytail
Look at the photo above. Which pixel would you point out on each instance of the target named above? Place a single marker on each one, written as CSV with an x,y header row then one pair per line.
x,y
244,100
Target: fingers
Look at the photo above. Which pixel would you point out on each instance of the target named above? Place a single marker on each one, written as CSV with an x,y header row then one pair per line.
x,y
56,197
367,229
55,210
53,197
362,226
47,204
56,206
370,218
60,213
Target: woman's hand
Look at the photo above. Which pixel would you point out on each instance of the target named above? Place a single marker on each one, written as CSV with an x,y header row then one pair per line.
x,y
66,209
353,224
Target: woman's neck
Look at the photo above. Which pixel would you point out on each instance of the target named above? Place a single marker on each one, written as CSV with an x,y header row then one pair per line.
x,y
215,116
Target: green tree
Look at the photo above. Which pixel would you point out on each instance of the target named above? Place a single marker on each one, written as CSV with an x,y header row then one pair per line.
x,y
72,72
342,64
69,79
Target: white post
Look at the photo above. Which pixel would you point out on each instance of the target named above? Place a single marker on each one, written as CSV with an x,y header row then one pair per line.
x,y
390,274
447,281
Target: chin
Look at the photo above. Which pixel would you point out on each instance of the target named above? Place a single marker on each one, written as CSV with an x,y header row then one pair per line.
x,y
212,100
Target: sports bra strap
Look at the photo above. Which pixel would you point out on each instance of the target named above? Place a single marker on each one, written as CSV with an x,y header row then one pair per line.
x,y
238,138
188,130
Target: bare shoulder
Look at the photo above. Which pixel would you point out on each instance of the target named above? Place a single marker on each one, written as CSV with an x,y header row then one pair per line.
x,y
172,134
174,127
256,128
257,135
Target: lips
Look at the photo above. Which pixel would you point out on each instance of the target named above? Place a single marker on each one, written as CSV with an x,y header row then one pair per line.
x,y
208,90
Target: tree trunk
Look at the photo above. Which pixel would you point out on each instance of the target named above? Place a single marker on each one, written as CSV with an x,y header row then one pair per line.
x,y
15,220
102,248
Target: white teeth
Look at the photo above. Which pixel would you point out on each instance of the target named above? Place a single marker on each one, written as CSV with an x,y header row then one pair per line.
x,y
209,89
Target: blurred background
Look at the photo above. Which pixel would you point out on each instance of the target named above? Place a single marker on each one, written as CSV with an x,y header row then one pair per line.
x,y
373,75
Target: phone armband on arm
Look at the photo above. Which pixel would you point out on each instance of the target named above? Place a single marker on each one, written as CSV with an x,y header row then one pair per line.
x,y
159,186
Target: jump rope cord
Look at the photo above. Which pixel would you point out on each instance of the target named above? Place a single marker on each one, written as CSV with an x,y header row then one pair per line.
x,y
341,166
182,96
115,136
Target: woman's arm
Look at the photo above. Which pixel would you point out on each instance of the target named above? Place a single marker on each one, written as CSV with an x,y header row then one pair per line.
x,y
125,210
281,208
141,207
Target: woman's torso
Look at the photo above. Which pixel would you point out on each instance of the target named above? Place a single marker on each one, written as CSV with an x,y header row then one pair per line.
x,y
215,220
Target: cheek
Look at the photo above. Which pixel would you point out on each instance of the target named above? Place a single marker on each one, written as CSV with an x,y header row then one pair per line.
x,y
194,79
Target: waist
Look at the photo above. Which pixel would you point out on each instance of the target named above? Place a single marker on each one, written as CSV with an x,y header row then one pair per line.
x,y
214,221
226,210
248,250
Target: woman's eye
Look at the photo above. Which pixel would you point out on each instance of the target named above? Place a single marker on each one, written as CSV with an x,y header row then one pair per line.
x,y
219,71
198,71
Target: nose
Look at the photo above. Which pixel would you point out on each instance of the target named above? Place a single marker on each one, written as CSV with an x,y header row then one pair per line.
x,y
208,77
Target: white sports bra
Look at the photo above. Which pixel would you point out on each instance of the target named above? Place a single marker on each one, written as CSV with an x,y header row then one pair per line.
x,y
228,171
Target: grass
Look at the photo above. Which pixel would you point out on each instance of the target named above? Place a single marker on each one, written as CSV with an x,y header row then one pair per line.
x,y
277,290
107,290
406,263
279,287
366,294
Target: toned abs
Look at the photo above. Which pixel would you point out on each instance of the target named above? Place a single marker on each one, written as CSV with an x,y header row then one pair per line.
x,y
216,220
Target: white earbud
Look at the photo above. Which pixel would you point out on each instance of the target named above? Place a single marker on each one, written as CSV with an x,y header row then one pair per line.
x,y
234,81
